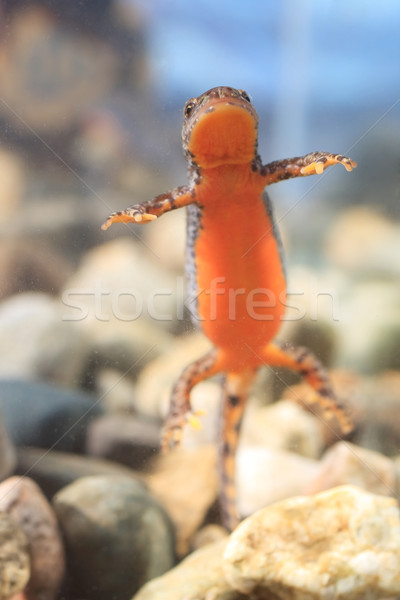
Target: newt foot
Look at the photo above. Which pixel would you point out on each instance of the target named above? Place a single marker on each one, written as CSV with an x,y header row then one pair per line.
x,y
130,215
173,429
318,166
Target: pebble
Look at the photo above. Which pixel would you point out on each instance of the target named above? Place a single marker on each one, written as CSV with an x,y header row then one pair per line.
x,y
185,482
30,267
117,393
14,557
266,475
124,439
35,341
343,543
8,457
363,241
45,415
346,463
116,536
285,426
53,470
126,346
124,279
157,378
12,184
22,499
199,577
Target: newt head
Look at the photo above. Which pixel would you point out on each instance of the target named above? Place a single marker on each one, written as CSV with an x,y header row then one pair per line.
x,y
220,128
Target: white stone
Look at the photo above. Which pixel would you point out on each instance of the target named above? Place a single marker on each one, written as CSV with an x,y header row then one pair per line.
x,y
339,544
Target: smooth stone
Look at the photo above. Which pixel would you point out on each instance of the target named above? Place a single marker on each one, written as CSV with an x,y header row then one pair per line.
x,y
123,345
124,439
117,537
12,184
167,238
346,463
285,426
117,393
121,278
380,427
186,483
362,240
30,267
53,470
14,557
199,577
156,379
8,457
343,543
44,415
22,499
36,342
266,475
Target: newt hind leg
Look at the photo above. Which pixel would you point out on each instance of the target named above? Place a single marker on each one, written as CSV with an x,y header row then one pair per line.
x,y
180,411
235,394
304,362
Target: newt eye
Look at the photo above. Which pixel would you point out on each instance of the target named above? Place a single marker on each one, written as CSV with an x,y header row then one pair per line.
x,y
244,95
189,106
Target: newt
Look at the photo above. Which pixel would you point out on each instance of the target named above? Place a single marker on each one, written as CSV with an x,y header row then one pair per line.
x,y
234,267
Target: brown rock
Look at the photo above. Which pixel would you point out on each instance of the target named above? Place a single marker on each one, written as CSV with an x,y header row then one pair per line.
x,y
25,503
185,482
14,557
27,266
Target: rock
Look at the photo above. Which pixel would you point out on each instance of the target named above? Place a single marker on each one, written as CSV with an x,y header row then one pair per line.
x,y
349,389
23,500
167,238
54,470
30,267
38,414
365,343
123,345
156,380
283,425
14,557
124,439
209,534
198,577
343,543
123,280
380,427
265,475
36,342
117,537
8,457
12,184
362,240
117,393
185,482
37,35
346,463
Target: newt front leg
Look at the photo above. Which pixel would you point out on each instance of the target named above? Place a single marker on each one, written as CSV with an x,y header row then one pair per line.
x,y
302,166
150,210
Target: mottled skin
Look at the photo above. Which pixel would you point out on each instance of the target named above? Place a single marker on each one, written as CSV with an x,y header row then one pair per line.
x,y
234,266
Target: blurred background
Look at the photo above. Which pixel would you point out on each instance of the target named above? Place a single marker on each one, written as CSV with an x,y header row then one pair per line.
x,y
91,97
